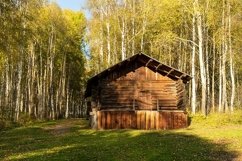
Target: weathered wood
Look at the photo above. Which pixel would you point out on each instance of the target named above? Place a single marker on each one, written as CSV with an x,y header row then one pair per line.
x,y
118,119
152,122
167,119
163,120
138,116
147,119
136,96
109,124
99,117
142,120
133,120
157,120
103,120
180,95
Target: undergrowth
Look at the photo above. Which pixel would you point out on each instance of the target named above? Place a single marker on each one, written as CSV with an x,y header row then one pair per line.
x,y
218,119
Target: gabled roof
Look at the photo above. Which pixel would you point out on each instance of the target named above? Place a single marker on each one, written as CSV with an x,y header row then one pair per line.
x,y
145,60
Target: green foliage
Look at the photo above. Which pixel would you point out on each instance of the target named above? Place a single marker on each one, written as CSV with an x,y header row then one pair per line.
x,y
2,124
25,119
7,125
41,49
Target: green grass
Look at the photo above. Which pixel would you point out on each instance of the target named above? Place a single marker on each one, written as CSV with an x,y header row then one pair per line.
x,y
217,137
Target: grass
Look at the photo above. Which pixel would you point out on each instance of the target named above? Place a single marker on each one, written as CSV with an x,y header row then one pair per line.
x,y
217,137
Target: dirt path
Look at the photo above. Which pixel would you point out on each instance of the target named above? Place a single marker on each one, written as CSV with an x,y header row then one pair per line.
x,y
62,127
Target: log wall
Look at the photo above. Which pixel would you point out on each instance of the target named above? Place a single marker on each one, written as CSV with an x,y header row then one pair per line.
x,y
139,89
181,95
172,119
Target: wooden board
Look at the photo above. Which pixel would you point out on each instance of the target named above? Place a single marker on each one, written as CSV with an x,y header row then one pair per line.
x,y
141,119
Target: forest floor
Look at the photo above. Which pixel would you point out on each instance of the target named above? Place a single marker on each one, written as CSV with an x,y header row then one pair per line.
x,y
217,137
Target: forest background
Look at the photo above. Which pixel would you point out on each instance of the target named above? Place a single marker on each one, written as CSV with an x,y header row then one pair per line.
x,y
47,53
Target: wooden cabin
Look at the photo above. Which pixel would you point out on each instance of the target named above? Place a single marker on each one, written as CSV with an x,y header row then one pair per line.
x,y
138,93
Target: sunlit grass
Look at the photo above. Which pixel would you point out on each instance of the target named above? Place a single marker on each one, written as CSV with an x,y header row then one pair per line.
x,y
218,119
216,137
39,152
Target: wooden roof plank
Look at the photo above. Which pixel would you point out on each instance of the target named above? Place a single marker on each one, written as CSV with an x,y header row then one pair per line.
x,y
148,62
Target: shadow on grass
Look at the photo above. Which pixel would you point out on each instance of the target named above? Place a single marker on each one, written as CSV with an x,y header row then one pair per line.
x,y
86,144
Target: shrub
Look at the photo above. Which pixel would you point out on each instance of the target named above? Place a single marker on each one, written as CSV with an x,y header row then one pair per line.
x,y
2,124
24,119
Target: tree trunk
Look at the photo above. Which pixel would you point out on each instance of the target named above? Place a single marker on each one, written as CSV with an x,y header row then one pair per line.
x,y
108,44
224,55
220,84
208,103
213,74
193,95
231,60
201,59
123,47
101,45
67,103
18,102
133,27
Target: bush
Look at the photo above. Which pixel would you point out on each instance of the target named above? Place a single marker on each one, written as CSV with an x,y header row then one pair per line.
x,y
2,124
5,124
24,119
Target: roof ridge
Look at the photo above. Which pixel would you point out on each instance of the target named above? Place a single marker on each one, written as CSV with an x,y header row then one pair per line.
x,y
161,68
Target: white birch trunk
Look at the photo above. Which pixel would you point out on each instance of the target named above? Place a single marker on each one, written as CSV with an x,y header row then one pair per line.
x,y
108,44
101,43
231,61
193,95
208,104
18,102
123,46
201,59
67,104
223,67
213,74
40,87
7,82
220,85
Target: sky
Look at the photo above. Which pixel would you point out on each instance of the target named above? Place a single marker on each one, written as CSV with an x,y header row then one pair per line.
x,y
75,5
